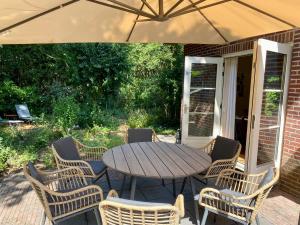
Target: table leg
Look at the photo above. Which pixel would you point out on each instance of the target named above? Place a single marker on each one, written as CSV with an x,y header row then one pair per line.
x,y
174,188
123,185
133,185
195,201
182,186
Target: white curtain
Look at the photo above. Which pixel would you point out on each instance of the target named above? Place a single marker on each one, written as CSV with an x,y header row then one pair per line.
x,y
229,97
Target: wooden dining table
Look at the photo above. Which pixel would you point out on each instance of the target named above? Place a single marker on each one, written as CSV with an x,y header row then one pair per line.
x,y
157,160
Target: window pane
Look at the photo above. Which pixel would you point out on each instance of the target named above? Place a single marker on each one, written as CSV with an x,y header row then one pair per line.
x,y
202,99
271,107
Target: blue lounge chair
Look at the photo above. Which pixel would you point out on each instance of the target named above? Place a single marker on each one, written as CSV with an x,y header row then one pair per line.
x,y
23,113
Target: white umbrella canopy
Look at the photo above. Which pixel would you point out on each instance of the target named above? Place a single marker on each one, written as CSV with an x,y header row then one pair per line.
x,y
164,21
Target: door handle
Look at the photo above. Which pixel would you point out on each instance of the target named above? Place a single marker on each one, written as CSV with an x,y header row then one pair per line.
x,y
252,121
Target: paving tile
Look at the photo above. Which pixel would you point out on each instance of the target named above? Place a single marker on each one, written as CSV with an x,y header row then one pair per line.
x,y
20,206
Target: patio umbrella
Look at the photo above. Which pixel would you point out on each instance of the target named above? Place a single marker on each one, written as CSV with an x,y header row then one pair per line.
x,y
165,21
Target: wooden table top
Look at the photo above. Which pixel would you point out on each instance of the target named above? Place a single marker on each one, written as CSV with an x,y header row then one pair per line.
x,y
157,160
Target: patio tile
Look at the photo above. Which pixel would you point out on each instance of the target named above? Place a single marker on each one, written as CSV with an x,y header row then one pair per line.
x,y
20,206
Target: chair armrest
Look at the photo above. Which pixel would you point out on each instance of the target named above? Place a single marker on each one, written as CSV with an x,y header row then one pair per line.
x,y
179,204
70,202
83,165
239,181
215,199
64,179
90,153
208,147
219,165
65,172
113,194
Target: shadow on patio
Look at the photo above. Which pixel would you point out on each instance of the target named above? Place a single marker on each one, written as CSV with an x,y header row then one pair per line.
x,y
19,204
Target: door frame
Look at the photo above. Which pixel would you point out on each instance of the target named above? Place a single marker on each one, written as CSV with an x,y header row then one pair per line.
x,y
240,165
256,100
189,60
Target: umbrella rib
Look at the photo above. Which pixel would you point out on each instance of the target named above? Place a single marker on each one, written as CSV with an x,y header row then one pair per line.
x,y
123,7
211,24
194,4
38,15
197,8
173,7
265,13
161,8
149,7
137,17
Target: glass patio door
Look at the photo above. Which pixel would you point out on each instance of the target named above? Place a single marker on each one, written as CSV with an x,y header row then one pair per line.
x,y
269,84
201,100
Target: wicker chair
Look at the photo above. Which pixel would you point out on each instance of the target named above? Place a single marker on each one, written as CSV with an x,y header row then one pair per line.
x,y
116,211
224,153
140,135
69,152
238,195
63,193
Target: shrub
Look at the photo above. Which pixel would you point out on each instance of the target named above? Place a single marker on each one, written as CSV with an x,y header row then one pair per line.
x,y
139,119
15,94
20,146
65,113
47,158
99,136
4,155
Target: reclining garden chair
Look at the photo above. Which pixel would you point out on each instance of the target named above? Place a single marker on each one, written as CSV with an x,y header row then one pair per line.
x,y
237,195
63,193
23,113
69,152
117,211
140,135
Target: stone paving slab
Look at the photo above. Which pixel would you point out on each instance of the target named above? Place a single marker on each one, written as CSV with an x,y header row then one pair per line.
x,y
20,206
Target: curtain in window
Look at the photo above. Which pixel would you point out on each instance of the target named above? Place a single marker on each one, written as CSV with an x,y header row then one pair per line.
x,y
229,97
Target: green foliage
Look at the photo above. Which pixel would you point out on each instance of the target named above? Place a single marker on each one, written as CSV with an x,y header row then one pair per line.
x,y
99,136
96,86
272,99
139,119
65,113
11,94
196,73
155,82
104,118
111,76
47,158
20,146
272,103
4,155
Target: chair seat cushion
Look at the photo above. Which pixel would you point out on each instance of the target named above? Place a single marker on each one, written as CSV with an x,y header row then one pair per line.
x,y
267,178
135,203
225,191
97,166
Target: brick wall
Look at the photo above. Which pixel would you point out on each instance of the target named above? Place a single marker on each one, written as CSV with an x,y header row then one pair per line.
x,y
290,169
202,103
